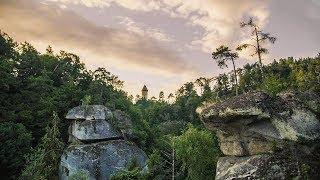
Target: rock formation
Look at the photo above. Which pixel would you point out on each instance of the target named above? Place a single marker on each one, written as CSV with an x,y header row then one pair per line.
x,y
266,137
98,147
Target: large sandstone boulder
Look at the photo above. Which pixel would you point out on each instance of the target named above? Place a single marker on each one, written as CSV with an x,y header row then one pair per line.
x,y
309,99
98,147
266,137
267,166
93,130
91,123
254,123
89,112
100,160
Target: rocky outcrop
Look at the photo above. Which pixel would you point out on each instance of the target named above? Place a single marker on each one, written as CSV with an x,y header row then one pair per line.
x,y
93,130
289,163
100,160
253,124
124,123
98,147
89,112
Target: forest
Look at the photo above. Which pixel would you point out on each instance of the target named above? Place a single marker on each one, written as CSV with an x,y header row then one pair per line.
x,y
37,89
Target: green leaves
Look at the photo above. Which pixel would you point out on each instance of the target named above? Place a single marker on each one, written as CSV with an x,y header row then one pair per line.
x,y
222,55
250,23
259,38
7,46
15,142
244,46
273,84
198,150
268,37
43,162
86,100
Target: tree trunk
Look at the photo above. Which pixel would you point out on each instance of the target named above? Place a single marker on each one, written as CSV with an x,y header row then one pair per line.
x,y
172,160
258,51
235,76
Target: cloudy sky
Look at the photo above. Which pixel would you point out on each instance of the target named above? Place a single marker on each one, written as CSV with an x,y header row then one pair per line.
x,y
160,43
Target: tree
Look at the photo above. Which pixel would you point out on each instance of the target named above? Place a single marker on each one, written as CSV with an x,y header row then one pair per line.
x,y
105,76
273,84
203,83
86,100
15,143
187,89
138,97
132,172
259,37
161,96
7,46
43,163
49,51
170,97
224,54
187,100
157,165
199,152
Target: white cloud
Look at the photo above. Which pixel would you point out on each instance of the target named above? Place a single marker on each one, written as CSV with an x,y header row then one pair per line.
x,y
98,45
219,18
88,3
144,30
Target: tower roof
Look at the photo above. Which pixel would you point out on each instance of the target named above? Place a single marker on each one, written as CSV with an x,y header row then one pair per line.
x,y
144,88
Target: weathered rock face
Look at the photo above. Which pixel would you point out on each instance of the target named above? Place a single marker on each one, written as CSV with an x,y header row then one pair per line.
x,y
123,122
250,124
248,167
100,160
255,123
98,147
292,162
309,99
92,130
89,112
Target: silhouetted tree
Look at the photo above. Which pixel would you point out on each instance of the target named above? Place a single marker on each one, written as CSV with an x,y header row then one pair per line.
x,y
161,96
170,96
43,163
259,37
224,54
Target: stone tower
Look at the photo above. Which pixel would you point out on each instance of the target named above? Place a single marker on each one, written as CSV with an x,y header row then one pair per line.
x,y
144,92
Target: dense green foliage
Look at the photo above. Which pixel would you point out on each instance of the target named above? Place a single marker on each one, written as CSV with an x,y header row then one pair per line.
x,y
43,163
133,172
195,149
34,85
15,142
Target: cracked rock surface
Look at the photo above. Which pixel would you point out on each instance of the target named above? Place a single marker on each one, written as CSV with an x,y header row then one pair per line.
x,y
98,147
256,130
252,123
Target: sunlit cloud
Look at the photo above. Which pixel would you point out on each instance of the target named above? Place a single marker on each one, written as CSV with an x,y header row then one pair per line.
x,y
220,19
162,43
143,30
99,45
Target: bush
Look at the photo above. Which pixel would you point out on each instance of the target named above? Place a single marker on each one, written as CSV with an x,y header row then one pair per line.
x,y
133,172
15,143
273,84
199,152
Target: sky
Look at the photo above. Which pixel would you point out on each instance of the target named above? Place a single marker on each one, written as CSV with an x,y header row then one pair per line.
x,y
161,43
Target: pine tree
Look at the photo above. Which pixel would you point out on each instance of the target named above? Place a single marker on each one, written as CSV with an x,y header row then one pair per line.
x,y
259,38
43,163
224,54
